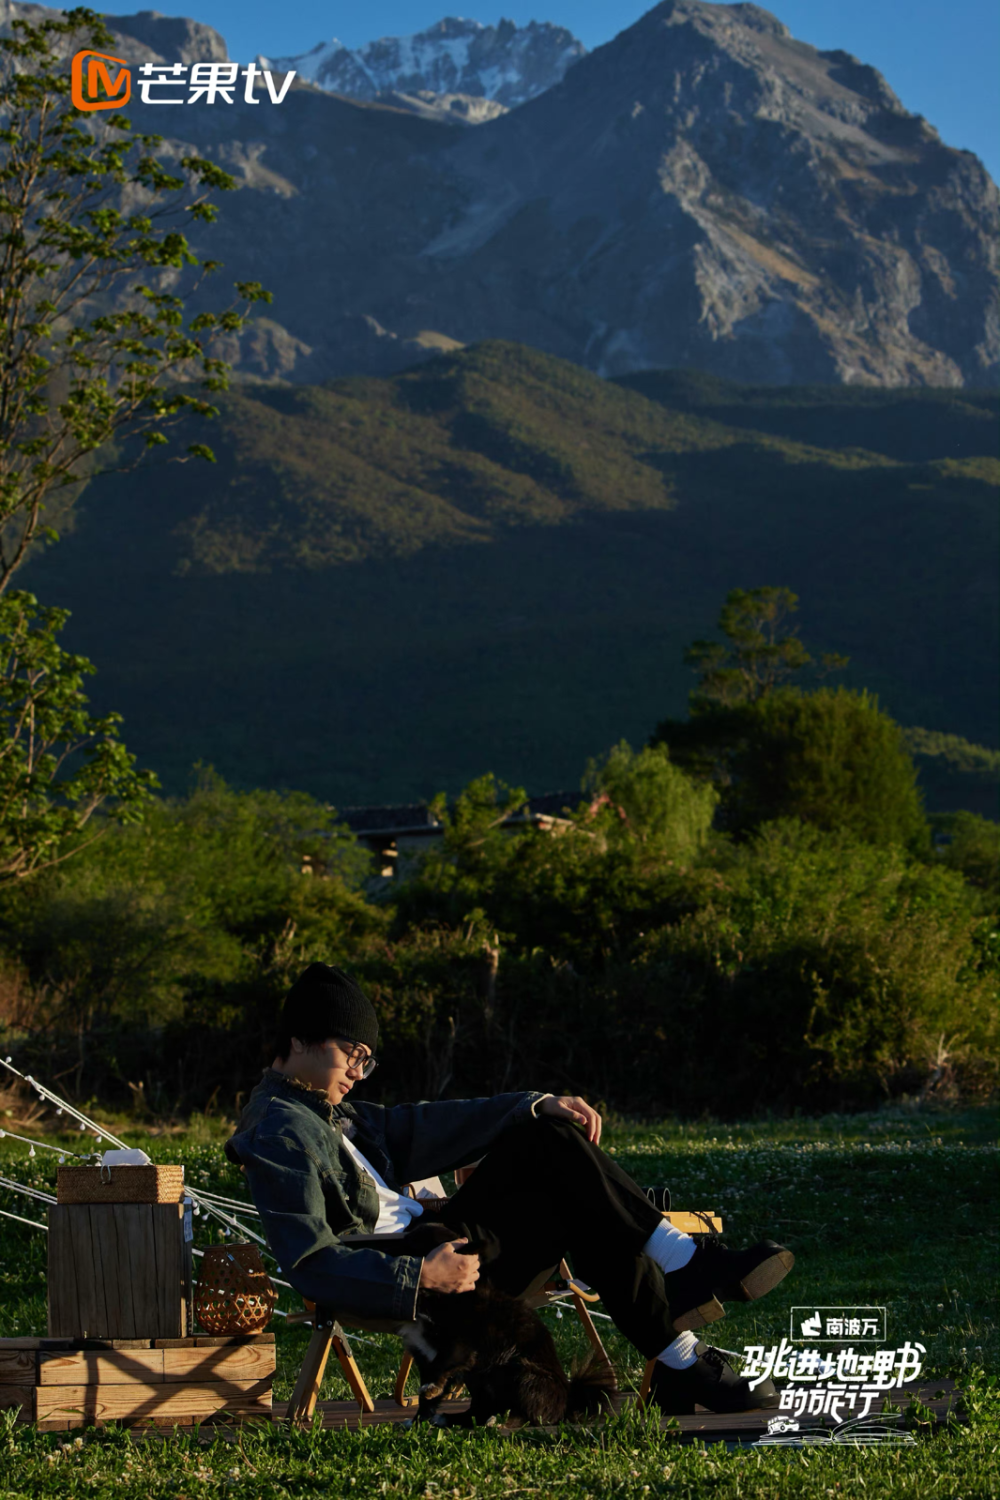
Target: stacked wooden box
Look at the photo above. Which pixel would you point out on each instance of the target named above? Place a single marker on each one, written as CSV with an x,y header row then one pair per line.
x,y
121,1346
64,1383
119,1262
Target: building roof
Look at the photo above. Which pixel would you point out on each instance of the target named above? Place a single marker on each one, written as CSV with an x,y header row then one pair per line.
x,y
384,819
416,817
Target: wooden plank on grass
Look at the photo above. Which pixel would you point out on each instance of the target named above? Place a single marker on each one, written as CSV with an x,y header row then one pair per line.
x,y
93,1367
239,1362
83,1404
17,1366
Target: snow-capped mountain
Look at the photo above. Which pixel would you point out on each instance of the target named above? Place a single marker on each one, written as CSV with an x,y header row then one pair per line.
x,y
702,191
506,64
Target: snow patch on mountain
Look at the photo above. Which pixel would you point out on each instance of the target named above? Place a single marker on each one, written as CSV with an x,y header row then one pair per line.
x,y
505,64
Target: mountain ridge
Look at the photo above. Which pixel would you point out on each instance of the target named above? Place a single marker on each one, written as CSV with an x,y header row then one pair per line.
x,y
454,60
702,191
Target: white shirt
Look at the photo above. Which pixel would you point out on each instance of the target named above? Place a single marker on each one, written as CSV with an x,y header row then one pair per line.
x,y
395,1210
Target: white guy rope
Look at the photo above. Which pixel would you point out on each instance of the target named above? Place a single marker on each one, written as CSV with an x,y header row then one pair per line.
x,y
29,1192
236,1203
33,1222
85,1123
28,1141
63,1106
225,1217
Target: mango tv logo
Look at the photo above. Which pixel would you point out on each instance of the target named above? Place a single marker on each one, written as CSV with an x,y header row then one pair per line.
x,y
90,73
94,87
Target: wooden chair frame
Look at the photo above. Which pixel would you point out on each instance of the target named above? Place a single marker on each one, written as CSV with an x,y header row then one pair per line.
x,y
328,1333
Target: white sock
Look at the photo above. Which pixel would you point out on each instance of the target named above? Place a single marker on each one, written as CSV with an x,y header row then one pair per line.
x,y
668,1247
680,1354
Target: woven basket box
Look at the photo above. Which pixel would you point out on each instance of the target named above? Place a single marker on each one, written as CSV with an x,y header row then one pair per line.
x,y
121,1184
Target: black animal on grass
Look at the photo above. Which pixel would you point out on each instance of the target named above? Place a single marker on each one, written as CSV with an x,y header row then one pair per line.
x,y
498,1348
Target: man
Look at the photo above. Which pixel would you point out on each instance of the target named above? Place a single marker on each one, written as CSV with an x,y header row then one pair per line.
x,y
321,1169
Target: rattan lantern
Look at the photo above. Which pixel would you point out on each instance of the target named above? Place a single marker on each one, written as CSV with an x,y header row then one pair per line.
x,y
234,1293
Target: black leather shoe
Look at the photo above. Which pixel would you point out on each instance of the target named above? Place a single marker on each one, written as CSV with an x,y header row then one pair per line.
x,y
714,1274
711,1381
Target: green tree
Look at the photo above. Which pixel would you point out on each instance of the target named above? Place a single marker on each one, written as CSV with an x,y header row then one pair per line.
x,y
832,759
93,348
652,800
760,655
58,764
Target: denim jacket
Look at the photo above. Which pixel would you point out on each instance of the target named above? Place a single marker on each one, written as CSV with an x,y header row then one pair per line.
x,y
310,1192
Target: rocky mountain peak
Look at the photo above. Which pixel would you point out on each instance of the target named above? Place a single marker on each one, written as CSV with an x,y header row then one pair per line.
x,y
148,36
505,64
747,17
702,191
173,38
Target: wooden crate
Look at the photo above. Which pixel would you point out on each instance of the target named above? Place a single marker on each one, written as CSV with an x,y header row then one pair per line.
x,y
118,1271
59,1386
60,1407
124,1184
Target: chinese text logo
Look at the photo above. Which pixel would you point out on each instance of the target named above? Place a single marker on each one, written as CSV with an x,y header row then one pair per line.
x,y
831,1325
167,83
833,1385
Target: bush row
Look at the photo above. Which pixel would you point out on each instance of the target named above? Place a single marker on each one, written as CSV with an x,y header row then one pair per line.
x,y
636,954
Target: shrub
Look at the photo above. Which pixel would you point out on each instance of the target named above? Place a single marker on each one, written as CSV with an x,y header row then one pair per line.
x,y
825,968
193,920
974,850
581,891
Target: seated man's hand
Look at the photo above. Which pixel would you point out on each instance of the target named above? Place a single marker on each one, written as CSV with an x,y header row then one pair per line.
x,y
566,1108
446,1270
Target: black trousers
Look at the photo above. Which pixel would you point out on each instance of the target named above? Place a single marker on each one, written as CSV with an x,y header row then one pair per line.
x,y
544,1192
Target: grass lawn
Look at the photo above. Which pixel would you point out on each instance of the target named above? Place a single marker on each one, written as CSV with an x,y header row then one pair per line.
x,y
897,1208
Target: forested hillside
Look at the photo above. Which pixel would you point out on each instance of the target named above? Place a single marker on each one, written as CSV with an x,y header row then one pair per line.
x,y
494,561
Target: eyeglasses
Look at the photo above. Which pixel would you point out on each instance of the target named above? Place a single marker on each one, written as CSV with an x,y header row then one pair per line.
x,y
357,1057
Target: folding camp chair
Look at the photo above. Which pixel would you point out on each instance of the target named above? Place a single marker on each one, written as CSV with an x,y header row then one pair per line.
x,y
550,1287
329,1336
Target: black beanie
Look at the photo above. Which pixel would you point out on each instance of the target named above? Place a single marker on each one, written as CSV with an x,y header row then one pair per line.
x,y
323,1002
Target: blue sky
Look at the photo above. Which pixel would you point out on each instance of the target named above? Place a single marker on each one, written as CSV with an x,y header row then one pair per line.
x,y
940,59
